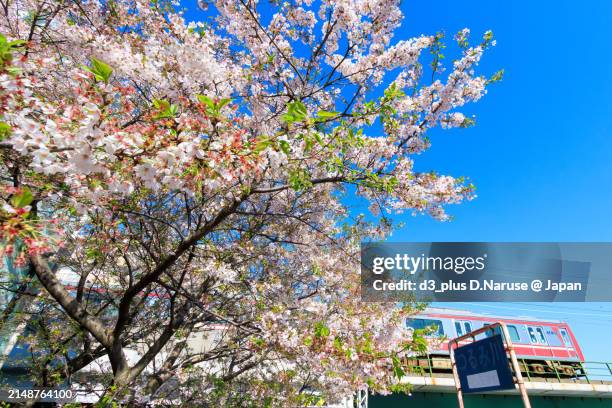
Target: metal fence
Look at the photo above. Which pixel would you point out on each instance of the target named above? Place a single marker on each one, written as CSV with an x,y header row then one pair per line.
x,y
532,370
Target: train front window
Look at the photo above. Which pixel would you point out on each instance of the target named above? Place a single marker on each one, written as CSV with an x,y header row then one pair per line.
x,y
566,338
532,335
420,324
468,326
541,337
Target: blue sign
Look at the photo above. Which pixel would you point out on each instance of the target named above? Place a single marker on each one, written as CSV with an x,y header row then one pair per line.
x,y
483,366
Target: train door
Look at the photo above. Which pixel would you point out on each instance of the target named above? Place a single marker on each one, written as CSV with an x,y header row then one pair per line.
x,y
539,341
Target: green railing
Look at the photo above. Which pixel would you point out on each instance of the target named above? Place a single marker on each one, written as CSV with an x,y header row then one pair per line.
x,y
532,370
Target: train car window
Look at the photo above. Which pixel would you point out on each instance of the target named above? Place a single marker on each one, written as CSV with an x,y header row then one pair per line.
x,y
566,338
488,333
463,328
532,335
541,337
459,329
426,323
491,333
514,334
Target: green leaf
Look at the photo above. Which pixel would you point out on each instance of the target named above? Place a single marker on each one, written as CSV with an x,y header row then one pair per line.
x,y
299,179
14,70
213,108
166,109
22,199
393,92
308,144
496,77
321,330
258,341
161,104
326,114
17,44
5,130
7,48
284,146
287,118
296,112
206,100
397,367
262,145
100,69
173,110
224,102
298,109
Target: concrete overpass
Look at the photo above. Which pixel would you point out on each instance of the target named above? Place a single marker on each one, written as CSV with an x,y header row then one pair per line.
x,y
438,390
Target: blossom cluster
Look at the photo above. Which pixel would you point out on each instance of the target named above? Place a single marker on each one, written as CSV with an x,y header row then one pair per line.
x,y
222,150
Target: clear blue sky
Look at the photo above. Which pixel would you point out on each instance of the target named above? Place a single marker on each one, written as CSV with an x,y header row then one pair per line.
x,y
540,154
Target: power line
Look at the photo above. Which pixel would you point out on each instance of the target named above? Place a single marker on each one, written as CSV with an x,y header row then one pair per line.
x,y
567,307
605,316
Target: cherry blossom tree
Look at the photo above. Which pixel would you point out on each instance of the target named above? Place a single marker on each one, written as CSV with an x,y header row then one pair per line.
x,y
200,179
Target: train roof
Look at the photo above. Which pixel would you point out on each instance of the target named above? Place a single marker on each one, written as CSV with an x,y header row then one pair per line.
x,y
460,312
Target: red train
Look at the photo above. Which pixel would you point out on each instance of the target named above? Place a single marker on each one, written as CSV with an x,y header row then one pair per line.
x,y
544,348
